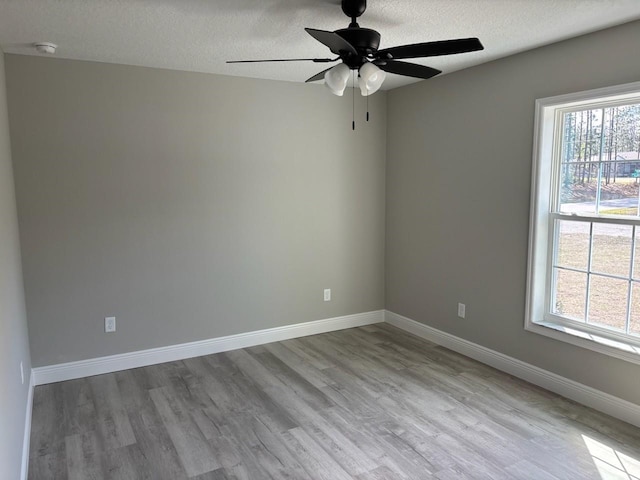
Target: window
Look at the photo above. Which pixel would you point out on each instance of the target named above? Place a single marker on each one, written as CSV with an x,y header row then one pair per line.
x,y
584,245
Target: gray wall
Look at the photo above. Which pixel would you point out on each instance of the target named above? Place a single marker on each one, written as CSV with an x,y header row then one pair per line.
x,y
458,186
190,206
14,344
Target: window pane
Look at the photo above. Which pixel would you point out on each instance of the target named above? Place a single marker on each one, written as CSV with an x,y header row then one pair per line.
x,y
573,244
611,251
600,147
581,157
634,325
578,187
608,301
619,188
570,294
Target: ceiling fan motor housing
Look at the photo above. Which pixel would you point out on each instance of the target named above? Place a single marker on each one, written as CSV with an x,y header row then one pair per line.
x,y
365,41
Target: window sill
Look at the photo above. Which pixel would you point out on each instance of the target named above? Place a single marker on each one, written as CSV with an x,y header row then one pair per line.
x,y
606,346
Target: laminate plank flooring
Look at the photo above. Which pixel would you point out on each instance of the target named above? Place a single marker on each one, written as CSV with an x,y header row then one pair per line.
x,y
367,403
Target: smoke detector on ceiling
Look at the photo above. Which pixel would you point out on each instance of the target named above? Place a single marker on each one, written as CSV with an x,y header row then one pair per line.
x,y
46,47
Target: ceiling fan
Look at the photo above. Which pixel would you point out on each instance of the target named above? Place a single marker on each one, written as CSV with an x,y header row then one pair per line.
x,y
357,49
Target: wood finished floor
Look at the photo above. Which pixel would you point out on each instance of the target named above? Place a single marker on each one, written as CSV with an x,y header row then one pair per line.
x,y
366,403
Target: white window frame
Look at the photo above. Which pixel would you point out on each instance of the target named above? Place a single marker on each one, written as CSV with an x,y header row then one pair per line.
x,y
547,143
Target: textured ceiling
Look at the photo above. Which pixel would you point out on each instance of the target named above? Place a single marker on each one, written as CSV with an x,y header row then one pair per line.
x,y
200,35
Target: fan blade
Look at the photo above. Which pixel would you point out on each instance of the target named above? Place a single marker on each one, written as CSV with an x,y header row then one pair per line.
x,y
318,76
432,49
315,60
407,69
335,42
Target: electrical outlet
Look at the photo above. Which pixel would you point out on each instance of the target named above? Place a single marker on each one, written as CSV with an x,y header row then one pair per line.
x,y
461,310
110,324
22,372
327,294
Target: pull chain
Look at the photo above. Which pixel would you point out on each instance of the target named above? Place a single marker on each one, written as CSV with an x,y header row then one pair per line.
x,y
367,105
353,103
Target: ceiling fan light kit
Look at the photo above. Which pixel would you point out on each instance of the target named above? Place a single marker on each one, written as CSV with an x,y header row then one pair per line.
x,y
370,79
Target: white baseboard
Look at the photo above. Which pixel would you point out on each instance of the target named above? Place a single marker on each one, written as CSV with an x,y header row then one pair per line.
x,y
604,402
125,361
27,430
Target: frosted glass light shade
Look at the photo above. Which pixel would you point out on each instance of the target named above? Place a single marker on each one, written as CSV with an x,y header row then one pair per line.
x,y
336,79
371,79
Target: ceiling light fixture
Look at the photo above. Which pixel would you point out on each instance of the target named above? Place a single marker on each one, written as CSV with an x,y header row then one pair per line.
x,y
357,48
